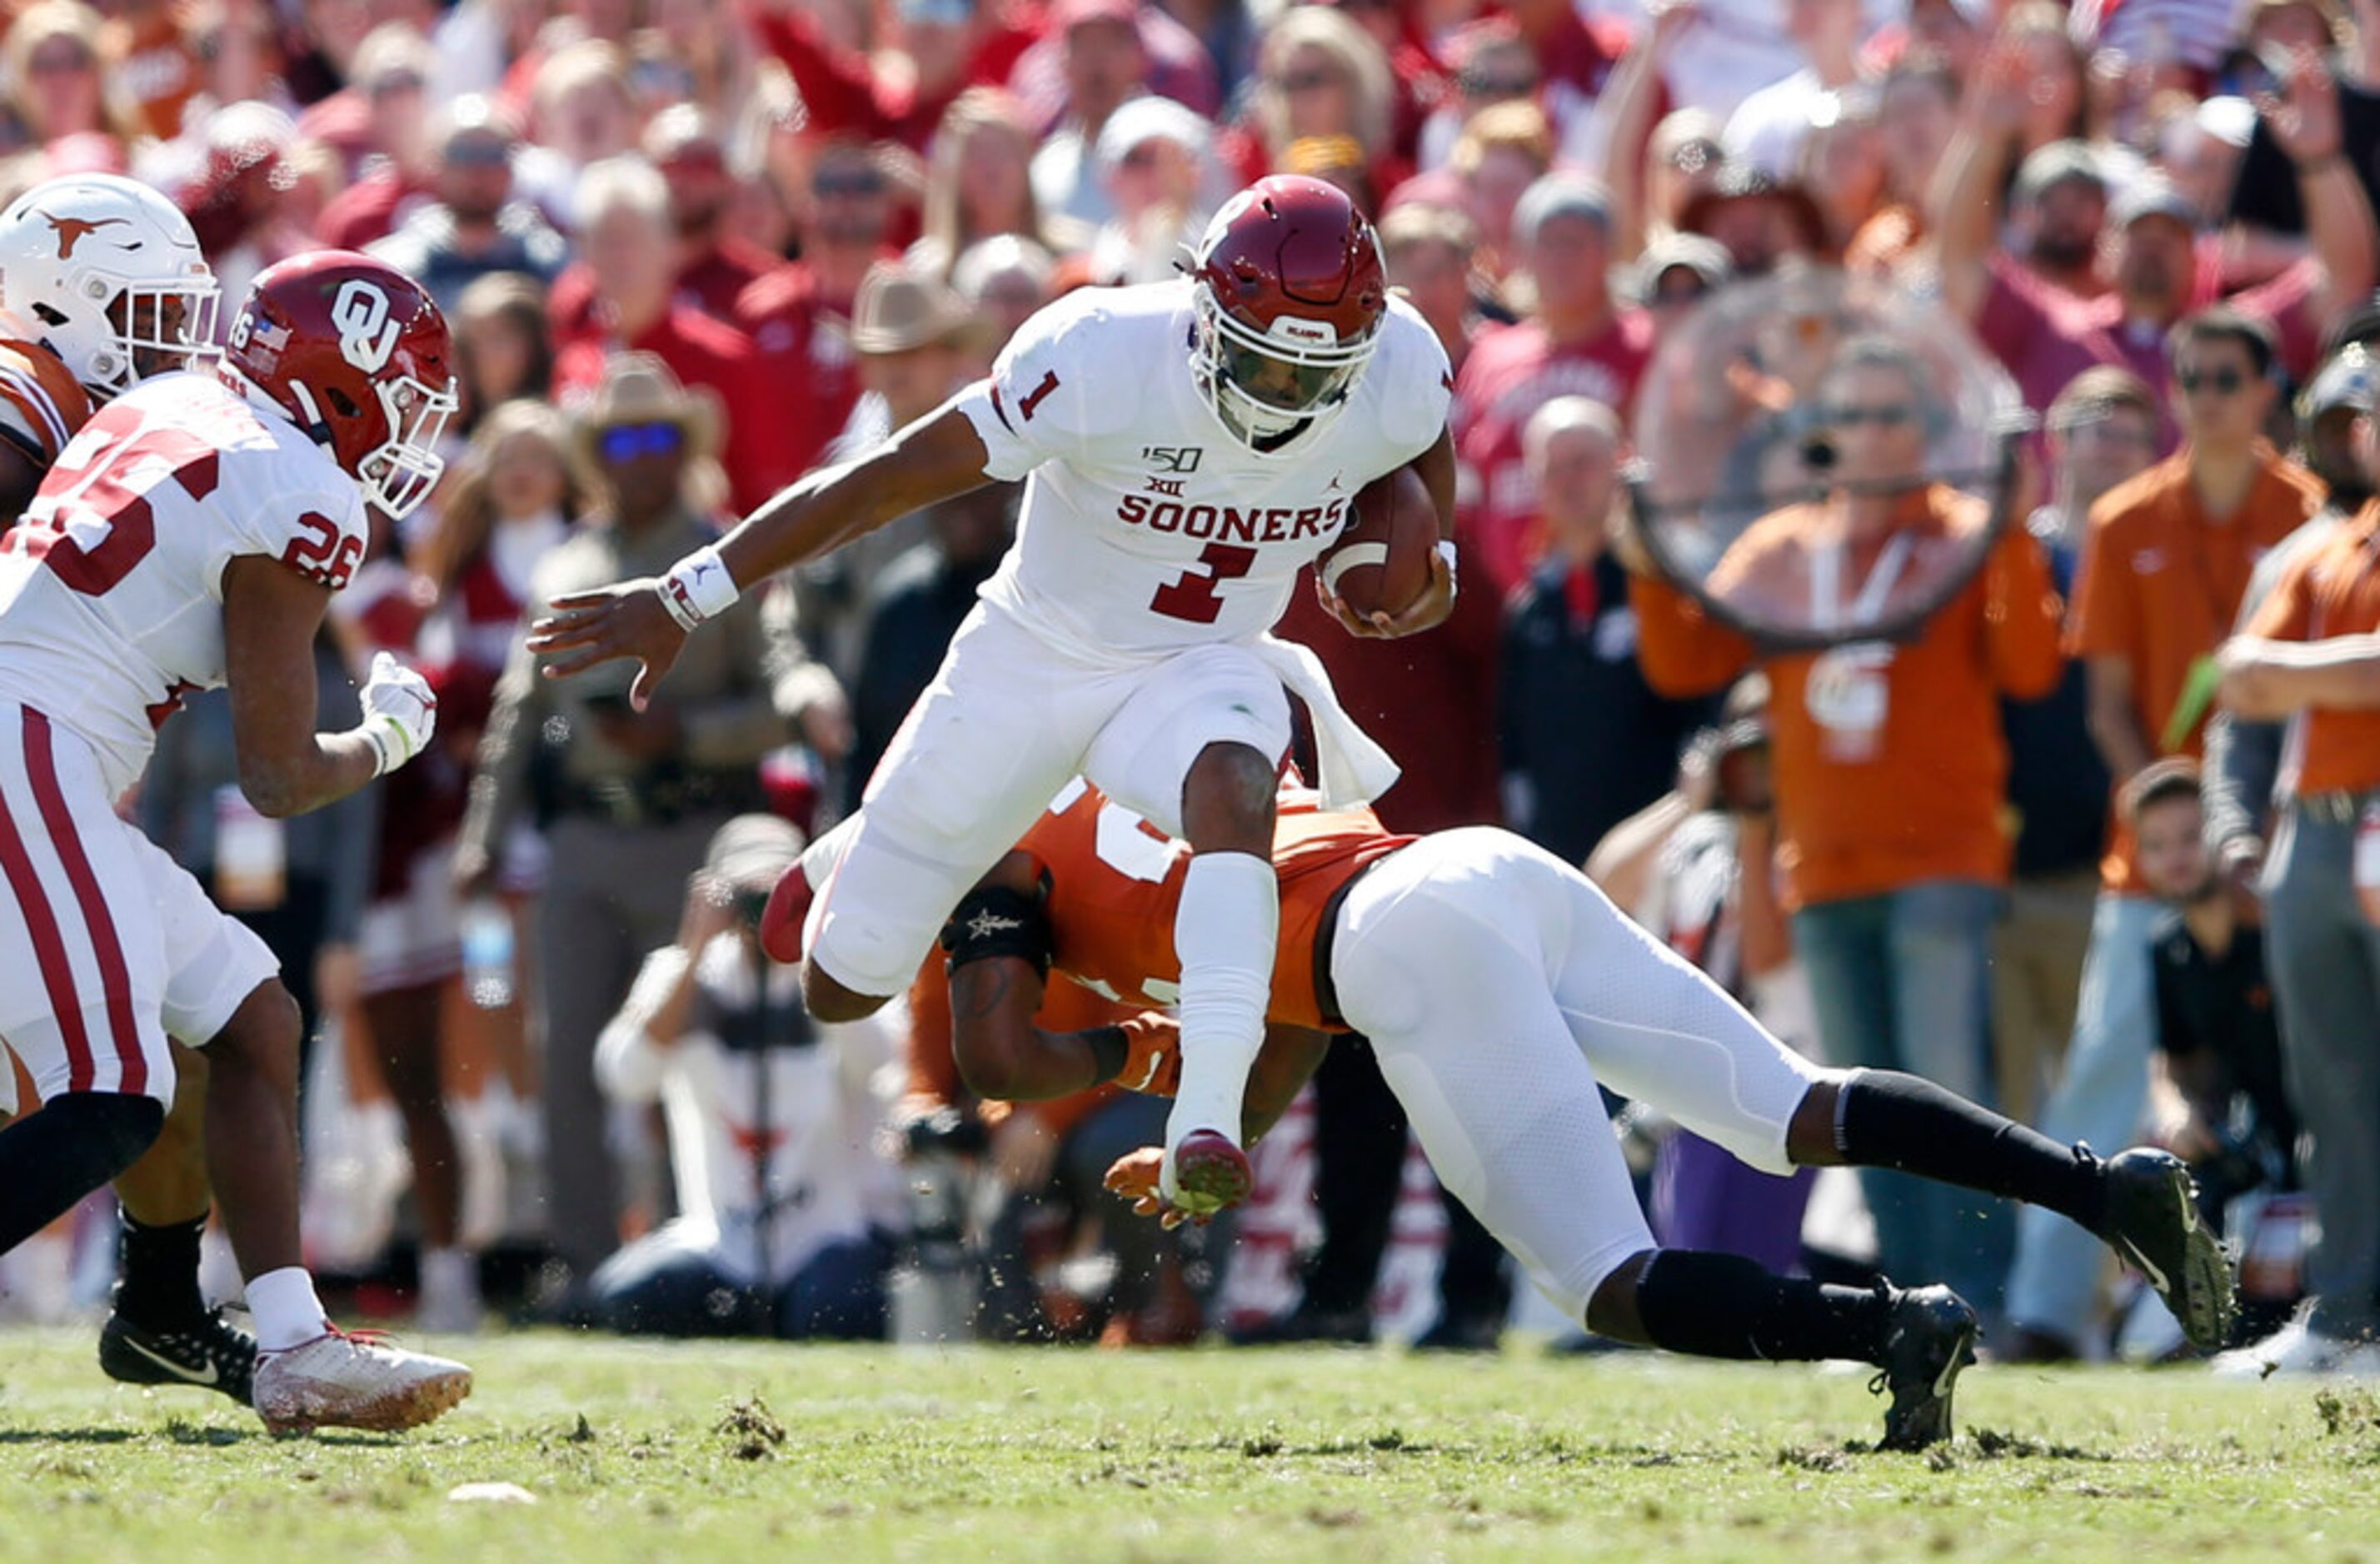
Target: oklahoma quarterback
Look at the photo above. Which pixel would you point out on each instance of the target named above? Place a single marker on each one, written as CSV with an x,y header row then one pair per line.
x,y
190,536
1192,444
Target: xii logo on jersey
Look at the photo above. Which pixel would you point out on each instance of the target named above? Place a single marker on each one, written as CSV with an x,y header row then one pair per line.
x,y
1173,458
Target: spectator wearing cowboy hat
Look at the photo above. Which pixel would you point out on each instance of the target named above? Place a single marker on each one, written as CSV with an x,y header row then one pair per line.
x,y
633,797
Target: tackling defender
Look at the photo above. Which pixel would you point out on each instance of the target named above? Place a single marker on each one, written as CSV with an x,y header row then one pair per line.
x,y
1192,444
1498,986
190,537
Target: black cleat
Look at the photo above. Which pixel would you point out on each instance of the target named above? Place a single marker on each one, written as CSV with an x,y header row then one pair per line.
x,y
2154,1226
1929,1336
205,1351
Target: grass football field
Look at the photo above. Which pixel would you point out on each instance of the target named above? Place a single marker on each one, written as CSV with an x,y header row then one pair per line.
x,y
718,1453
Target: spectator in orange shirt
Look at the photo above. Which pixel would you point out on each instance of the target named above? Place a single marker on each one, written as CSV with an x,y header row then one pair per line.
x,y
2162,575
2312,656
1891,775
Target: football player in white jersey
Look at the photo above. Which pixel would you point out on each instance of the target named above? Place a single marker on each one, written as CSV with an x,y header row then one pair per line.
x,y
102,284
1192,444
190,536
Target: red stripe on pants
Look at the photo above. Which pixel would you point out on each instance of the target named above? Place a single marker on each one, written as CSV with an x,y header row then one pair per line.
x,y
41,769
49,951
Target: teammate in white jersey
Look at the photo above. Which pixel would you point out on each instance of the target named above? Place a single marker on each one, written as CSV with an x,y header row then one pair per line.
x,y
1191,446
102,284
190,537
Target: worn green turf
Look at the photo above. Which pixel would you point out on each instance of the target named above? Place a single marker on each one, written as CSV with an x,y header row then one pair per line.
x,y
649,1452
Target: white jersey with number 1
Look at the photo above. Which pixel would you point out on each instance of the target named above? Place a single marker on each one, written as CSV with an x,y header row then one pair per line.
x,y
111,589
1147,527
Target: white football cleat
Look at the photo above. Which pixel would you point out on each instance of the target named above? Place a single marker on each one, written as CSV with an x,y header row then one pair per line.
x,y
343,1380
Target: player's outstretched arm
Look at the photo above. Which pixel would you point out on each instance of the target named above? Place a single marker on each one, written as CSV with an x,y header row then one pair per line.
x,y
271,615
934,459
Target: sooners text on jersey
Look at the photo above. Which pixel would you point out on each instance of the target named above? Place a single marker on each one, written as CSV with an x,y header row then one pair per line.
x,y
1147,527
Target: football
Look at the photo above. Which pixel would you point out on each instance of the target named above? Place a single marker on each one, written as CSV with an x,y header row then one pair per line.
x,y
1380,562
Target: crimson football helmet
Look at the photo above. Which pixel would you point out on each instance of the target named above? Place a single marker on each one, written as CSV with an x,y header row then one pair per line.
x,y
356,352
1291,291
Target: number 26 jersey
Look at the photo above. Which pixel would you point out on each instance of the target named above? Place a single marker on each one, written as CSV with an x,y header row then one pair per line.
x,y
1147,527
111,587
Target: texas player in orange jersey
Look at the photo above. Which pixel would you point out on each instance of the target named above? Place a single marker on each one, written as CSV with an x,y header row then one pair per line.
x,y
1498,986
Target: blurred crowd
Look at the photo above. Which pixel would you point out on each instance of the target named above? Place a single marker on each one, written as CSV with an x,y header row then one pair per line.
x,y
2107,856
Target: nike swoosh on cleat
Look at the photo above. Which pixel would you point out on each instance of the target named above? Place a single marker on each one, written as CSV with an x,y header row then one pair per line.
x,y
2156,1276
180,1371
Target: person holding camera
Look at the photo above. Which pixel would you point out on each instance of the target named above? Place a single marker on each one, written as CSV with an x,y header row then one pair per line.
x,y
772,1126
629,799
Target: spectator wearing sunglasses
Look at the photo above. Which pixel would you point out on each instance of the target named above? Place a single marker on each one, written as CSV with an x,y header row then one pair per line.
x,y
634,797
2164,569
772,1126
473,226
1891,766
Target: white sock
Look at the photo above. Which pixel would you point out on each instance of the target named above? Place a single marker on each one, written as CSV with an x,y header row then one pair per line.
x,y
450,1274
1224,932
286,1312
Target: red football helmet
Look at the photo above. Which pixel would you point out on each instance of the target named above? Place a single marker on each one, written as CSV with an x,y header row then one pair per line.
x,y
356,352
1291,291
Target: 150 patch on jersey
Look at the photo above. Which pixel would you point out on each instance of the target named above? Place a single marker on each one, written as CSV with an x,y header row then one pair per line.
x,y
1172,458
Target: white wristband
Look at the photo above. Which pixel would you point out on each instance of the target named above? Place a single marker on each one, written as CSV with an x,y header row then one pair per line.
x,y
699,587
388,744
1446,552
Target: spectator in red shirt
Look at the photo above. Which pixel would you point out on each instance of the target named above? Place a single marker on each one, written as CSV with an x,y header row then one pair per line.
x,y
947,45
714,266
1577,341
795,315
2046,336
399,166
627,239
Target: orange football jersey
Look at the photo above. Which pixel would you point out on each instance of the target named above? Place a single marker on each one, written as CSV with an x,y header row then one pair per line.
x,y
1115,882
42,405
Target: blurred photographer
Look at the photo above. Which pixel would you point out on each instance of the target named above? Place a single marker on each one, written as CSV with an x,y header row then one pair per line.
x,y
772,1126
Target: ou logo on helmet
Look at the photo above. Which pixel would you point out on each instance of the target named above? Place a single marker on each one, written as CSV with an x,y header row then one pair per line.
x,y
368,332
